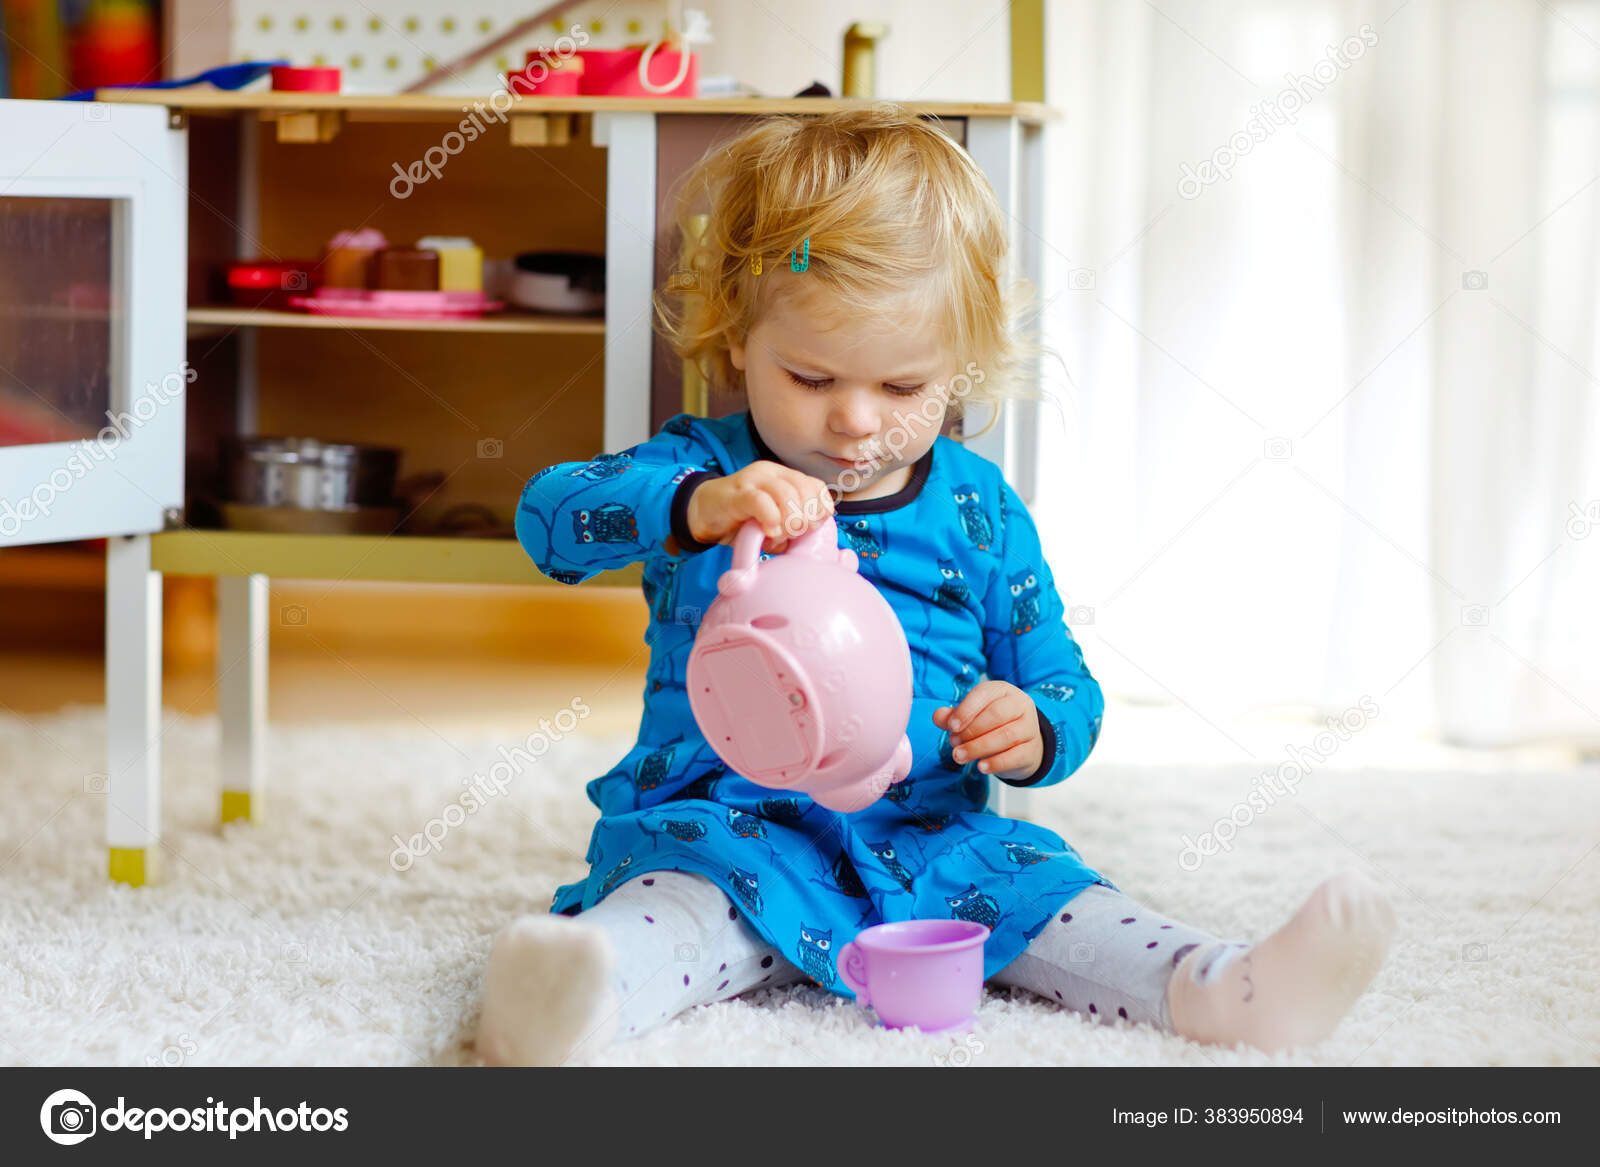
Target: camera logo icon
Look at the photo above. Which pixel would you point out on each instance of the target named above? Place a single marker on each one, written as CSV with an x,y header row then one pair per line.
x,y
294,281
1080,614
1277,449
1081,279
1583,520
1475,615
1474,281
294,614
96,111
686,614
1081,954
68,1117
1475,952
686,953
491,448
95,783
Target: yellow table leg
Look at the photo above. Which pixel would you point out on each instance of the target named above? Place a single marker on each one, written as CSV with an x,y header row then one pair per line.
x,y
237,804
134,866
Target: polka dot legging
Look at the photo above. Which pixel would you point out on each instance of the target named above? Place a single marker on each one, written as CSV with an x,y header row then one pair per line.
x,y
680,942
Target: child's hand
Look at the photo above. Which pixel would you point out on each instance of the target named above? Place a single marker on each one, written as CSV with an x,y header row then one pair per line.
x,y
784,501
998,722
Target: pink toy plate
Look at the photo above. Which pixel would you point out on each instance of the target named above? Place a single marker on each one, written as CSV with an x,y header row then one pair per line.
x,y
398,305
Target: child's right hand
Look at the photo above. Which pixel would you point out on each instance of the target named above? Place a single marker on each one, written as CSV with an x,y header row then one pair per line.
x,y
784,501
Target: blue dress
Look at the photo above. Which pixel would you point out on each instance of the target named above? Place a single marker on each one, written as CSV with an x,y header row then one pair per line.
x,y
958,558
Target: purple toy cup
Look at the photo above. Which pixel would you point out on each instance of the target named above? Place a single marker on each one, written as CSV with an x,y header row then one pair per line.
x,y
927,973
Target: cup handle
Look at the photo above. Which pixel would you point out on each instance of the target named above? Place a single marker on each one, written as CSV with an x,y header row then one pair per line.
x,y
853,971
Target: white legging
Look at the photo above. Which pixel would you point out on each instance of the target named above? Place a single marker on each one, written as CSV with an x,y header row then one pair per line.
x,y
680,942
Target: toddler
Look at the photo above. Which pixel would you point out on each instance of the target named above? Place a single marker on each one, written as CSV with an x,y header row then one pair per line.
x,y
849,285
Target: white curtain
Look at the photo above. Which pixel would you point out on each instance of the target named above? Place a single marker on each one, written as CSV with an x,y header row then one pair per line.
x,y
1331,429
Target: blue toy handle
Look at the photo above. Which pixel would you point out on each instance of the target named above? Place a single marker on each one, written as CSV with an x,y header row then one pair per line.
x,y
235,76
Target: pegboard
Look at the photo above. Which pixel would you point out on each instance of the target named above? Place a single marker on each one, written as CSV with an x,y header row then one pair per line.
x,y
384,46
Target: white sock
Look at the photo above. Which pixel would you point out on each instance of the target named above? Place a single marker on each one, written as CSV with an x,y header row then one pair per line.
x,y
1293,988
547,993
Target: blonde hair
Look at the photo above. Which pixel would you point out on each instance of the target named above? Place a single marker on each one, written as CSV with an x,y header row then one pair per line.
x,y
892,208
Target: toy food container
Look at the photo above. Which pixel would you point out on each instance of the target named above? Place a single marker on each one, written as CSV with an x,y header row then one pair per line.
x,y
460,262
269,283
349,256
404,269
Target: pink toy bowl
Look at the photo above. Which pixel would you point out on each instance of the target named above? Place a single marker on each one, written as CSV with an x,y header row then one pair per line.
x,y
927,973
800,677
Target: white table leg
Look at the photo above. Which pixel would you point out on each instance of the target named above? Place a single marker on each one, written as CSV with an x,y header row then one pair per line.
x,y
630,142
996,145
133,710
242,692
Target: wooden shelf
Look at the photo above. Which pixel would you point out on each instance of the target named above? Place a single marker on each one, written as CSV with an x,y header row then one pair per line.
x,y
54,566
203,99
396,558
521,322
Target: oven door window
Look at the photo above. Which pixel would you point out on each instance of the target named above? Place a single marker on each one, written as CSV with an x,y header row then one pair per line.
x,y
60,319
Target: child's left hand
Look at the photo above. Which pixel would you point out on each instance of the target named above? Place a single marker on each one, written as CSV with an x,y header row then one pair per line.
x,y
997,722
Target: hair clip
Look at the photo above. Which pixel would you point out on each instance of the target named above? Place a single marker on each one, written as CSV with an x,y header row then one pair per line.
x,y
802,264
755,265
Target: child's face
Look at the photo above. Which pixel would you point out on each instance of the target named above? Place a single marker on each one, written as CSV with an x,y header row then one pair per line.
x,y
877,393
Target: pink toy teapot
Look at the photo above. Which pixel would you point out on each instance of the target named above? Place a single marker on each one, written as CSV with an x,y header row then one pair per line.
x,y
800,677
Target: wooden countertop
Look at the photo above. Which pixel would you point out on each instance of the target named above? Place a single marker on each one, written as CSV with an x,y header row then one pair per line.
x,y
203,99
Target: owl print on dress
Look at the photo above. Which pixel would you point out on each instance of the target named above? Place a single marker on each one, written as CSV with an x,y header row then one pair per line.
x,y
610,522
1055,692
974,905
900,792
886,856
566,577
816,959
974,520
705,786
1024,854
933,822
652,769
747,886
683,830
952,591
616,875
745,826
843,879
782,810
1024,601
663,599
678,427
603,466
858,534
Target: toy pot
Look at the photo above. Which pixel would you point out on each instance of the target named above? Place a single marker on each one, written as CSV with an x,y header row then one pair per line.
x,y
800,676
927,973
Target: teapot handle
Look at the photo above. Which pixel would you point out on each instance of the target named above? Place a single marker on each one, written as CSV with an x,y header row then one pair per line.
x,y
821,542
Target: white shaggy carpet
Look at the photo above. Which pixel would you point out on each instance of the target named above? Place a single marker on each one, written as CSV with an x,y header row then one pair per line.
x,y
296,942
